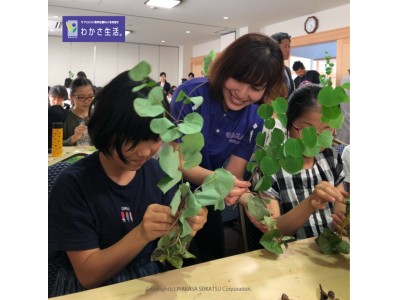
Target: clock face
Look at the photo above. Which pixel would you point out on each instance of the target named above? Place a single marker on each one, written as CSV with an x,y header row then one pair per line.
x,y
311,25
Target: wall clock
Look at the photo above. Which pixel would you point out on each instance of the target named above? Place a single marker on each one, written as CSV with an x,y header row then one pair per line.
x,y
311,24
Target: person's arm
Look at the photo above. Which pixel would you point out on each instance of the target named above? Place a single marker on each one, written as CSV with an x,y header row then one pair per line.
x,y
94,266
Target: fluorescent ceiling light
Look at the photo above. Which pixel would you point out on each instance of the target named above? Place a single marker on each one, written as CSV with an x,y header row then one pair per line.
x,y
163,3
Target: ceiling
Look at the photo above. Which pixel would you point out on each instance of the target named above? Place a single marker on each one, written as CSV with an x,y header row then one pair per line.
x,y
203,18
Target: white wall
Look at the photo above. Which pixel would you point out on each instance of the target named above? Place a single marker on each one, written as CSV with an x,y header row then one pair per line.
x,y
335,18
103,61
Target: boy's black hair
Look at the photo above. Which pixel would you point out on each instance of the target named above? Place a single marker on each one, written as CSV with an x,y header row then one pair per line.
x,y
114,121
279,36
298,65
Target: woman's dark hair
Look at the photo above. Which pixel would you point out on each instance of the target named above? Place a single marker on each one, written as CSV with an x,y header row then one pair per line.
x,y
114,121
78,82
301,101
67,82
253,58
59,91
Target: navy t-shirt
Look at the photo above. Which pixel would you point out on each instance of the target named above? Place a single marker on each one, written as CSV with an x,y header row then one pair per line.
x,y
88,210
225,132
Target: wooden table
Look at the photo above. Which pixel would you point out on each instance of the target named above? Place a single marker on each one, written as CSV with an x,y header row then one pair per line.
x,y
69,152
252,275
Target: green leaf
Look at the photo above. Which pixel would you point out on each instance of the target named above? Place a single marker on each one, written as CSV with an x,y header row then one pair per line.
x,y
263,184
310,152
192,160
270,244
330,97
277,137
160,125
171,135
325,95
192,206
175,202
325,139
260,138
269,123
265,111
186,229
270,222
346,85
175,260
181,96
256,207
280,105
166,183
156,95
324,245
343,247
336,123
138,88
250,167
198,100
192,123
187,254
169,161
292,164
269,166
309,135
208,197
283,119
294,147
259,154
140,71
331,112
145,108
192,143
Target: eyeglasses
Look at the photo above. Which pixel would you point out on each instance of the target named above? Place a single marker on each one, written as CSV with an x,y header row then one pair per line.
x,y
318,133
83,98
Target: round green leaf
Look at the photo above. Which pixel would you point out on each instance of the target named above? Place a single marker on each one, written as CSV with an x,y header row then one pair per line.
x,y
250,167
192,143
259,154
263,184
197,101
269,123
192,123
294,147
336,123
265,111
280,105
277,137
311,151
140,71
331,112
325,139
171,135
191,160
260,138
156,95
283,119
145,108
324,95
169,161
269,166
309,135
160,125
292,164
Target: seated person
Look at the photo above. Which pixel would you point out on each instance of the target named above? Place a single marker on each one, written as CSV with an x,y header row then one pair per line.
x,y
105,210
75,125
304,203
56,111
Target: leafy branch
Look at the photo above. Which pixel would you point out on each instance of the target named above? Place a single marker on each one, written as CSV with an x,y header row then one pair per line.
x,y
273,152
173,247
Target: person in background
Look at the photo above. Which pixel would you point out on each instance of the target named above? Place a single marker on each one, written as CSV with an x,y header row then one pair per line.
x,y
170,93
344,131
238,80
190,76
304,203
67,84
284,40
56,111
164,83
82,93
106,212
304,75
81,74
346,166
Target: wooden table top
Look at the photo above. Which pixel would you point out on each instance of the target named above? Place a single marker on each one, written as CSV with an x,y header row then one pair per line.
x,y
252,275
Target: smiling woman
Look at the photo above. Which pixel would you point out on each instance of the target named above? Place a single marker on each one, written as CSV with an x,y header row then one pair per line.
x,y
239,77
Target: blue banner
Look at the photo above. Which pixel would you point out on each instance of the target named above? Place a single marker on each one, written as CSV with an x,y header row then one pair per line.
x,y
93,29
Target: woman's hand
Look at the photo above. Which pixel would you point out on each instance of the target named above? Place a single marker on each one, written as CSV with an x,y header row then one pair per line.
x,y
197,222
157,221
239,188
79,132
326,192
